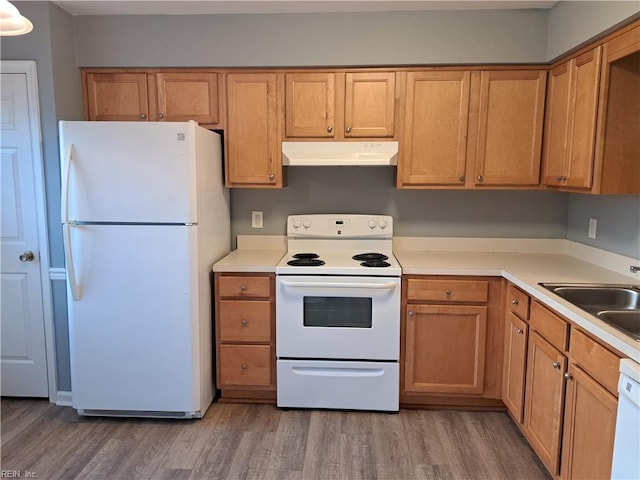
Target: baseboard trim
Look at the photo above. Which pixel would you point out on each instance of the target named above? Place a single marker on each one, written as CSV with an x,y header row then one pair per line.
x,y
64,399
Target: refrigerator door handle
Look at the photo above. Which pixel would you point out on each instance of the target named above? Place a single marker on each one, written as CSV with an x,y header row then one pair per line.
x,y
64,208
71,272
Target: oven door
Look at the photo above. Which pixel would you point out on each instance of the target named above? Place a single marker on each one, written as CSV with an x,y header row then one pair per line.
x,y
338,317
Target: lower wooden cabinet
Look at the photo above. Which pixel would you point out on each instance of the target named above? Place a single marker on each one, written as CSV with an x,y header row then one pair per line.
x,y
515,365
545,400
589,428
445,348
245,336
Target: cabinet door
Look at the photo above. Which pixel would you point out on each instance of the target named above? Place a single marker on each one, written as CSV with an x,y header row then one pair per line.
x,y
584,105
186,96
544,400
515,363
369,108
556,125
589,428
434,144
117,96
510,120
253,140
310,105
445,348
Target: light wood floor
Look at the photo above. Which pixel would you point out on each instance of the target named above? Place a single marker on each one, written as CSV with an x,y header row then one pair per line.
x,y
236,441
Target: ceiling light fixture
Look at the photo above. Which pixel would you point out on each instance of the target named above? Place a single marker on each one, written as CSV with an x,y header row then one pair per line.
x,y
11,22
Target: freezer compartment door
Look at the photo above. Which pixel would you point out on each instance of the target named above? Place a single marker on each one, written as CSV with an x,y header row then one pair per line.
x,y
338,384
129,171
134,329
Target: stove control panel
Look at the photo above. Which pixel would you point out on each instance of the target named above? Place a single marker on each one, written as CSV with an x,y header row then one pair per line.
x,y
333,226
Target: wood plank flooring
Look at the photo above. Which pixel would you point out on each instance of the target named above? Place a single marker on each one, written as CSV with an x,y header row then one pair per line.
x,y
240,441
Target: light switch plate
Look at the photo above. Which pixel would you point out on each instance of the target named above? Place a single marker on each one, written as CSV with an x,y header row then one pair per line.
x,y
593,224
256,219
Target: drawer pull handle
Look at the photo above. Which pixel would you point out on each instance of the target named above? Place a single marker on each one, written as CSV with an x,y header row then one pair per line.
x,y
556,365
244,366
447,292
243,288
515,301
520,331
243,322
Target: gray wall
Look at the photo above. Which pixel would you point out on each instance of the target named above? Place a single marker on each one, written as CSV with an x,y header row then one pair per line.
x,y
574,23
433,213
390,38
618,219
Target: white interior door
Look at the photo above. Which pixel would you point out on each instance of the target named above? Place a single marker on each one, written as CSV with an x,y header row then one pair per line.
x,y
23,354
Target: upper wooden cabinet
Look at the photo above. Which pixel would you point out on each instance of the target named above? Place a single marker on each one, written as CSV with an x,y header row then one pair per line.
x,y
617,157
171,96
336,105
434,141
253,135
509,132
570,125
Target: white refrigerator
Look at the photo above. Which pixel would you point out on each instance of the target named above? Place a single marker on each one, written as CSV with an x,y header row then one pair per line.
x,y
145,215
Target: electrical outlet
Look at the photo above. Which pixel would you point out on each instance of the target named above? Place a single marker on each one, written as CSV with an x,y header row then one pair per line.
x,y
593,224
256,219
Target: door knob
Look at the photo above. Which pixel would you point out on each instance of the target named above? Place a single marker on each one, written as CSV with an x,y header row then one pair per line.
x,y
27,257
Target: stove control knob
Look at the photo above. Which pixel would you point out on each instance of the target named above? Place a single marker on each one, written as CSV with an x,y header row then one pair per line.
x,y
372,223
306,223
382,223
296,223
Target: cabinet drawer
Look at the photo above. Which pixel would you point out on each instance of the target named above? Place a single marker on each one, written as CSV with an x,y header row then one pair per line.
x,y
244,286
245,321
518,302
595,359
470,291
246,365
550,326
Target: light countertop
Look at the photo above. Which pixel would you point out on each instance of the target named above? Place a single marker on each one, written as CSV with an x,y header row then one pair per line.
x,y
525,263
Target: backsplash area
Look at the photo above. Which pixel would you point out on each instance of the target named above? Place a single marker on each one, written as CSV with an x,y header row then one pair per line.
x,y
433,213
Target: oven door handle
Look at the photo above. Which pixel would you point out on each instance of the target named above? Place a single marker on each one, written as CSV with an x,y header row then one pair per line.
x,y
368,286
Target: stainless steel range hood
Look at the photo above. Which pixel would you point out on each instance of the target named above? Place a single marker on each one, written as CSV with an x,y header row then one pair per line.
x,y
327,154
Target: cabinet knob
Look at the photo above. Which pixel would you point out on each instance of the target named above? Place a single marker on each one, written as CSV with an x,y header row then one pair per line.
x,y
461,178
411,313
329,129
556,365
520,331
244,366
243,322
515,301
447,292
479,177
161,115
568,376
272,176
143,115
243,288
348,129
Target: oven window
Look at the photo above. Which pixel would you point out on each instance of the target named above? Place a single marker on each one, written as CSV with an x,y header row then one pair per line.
x,y
352,312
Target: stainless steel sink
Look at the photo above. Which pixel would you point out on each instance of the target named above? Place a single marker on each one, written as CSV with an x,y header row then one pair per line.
x,y
618,305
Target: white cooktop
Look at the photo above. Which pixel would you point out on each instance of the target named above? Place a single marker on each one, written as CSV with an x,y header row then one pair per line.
x,y
335,239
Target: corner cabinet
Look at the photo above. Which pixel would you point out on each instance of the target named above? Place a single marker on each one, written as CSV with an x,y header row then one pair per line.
x,y
338,105
253,140
162,96
450,339
245,333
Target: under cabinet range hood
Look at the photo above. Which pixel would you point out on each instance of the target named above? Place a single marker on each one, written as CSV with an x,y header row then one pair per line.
x,y
344,154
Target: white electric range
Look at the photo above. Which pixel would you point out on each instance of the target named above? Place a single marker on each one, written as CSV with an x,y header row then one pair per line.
x,y
338,317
